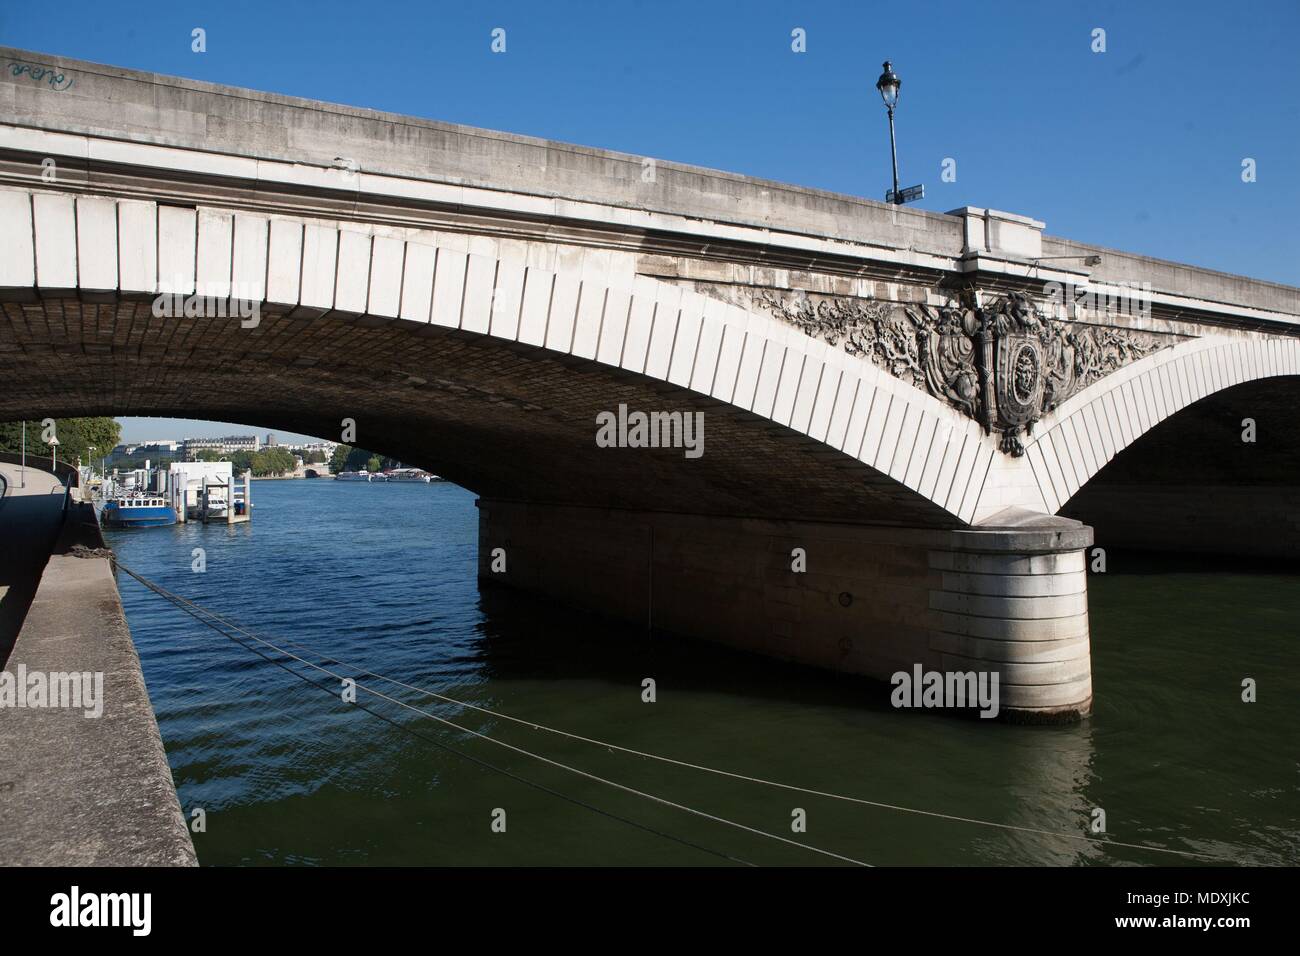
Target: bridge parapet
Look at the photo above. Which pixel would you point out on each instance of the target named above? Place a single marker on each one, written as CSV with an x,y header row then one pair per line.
x,y
128,131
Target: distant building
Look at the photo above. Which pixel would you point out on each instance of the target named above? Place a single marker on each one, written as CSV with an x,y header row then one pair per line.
x,y
271,441
147,449
222,446
326,448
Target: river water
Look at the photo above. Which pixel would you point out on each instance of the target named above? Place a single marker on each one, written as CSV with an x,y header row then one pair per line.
x,y
382,577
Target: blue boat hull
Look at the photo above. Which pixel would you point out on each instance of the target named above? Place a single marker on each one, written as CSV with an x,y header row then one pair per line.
x,y
114,517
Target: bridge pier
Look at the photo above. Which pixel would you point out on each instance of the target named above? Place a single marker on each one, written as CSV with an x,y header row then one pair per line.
x,y
1008,597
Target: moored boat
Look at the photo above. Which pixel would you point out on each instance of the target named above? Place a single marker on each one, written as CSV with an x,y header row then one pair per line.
x,y
137,511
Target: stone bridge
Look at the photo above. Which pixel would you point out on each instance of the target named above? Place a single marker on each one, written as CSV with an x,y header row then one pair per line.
x,y
912,421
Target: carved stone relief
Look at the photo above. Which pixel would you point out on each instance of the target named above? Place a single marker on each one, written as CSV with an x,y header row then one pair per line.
x,y
1003,362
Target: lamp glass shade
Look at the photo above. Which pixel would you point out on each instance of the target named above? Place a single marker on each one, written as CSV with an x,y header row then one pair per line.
x,y
888,85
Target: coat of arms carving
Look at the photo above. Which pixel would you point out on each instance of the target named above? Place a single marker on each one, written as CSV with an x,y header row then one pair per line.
x,y
1003,363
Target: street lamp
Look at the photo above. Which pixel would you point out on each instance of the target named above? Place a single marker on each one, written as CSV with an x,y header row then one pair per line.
x,y
889,85
54,444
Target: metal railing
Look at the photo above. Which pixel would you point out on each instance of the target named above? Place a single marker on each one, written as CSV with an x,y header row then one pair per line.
x,y
67,474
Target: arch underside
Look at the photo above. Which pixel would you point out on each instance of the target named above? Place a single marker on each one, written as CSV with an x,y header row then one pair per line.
x,y
1096,430
484,360
504,420
490,364
1222,476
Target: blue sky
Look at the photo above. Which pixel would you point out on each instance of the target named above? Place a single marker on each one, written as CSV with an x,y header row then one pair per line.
x,y
1138,148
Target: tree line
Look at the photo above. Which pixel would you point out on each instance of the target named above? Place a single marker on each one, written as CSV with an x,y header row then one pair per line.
x,y
76,437
347,458
264,463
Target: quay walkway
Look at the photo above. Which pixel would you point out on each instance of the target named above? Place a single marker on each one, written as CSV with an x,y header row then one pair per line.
x,y
84,783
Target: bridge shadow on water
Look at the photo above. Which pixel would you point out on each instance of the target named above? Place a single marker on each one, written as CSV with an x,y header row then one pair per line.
x,y
794,724
1168,737
1139,562
527,637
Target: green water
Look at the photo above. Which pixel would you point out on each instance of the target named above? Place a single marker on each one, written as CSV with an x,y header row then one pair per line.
x,y
383,577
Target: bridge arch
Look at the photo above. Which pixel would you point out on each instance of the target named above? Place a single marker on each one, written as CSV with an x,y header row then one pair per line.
x,y
1076,441
400,327
1202,482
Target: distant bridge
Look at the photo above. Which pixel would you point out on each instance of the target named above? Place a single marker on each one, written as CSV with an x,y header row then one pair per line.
x,y
921,402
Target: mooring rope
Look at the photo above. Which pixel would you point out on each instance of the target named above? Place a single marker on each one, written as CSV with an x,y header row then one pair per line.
x,y
196,611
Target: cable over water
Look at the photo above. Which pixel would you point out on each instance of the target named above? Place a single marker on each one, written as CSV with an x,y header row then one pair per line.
x,y
207,617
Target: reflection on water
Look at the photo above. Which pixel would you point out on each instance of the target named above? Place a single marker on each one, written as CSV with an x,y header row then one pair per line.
x,y
383,576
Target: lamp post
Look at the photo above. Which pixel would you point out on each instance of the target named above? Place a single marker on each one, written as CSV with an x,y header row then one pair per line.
x,y
889,85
